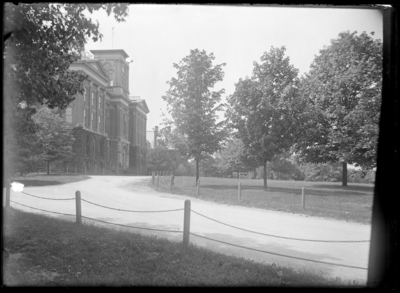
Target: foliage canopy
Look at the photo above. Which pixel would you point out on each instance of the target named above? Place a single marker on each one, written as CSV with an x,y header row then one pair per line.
x,y
343,96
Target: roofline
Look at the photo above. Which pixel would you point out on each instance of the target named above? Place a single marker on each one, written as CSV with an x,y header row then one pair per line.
x,y
142,103
98,62
110,51
82,62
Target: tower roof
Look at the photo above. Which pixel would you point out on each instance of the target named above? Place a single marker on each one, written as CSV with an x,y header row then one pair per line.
x,y
110,51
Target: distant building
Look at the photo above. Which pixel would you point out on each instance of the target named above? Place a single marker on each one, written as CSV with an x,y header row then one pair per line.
x,y
111,119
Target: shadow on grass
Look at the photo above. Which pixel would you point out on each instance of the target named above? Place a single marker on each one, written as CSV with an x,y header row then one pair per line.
x,y
344,188
33,175
353,190
30,182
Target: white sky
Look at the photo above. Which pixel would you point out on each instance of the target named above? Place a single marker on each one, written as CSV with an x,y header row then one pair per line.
x,y
156,36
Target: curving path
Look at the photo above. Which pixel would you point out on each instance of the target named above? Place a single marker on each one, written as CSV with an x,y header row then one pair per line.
x,y
132,193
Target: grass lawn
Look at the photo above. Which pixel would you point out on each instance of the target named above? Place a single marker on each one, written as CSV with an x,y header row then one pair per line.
x,y
52,179
46,251
322,199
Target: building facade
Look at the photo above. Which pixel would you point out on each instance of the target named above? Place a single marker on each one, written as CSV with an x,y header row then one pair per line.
x,y
107,115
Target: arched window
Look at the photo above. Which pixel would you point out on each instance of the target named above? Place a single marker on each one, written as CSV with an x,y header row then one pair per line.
x,y
111,77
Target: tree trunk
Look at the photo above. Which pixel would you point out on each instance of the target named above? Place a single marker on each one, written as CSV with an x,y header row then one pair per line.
x,y
48,167
197,171
344,174
265,175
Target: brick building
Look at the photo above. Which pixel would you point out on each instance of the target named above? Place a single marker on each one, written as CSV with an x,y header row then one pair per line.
x,y
108,114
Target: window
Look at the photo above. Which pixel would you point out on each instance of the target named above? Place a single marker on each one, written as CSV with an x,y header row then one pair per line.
x,y
99,123
123,124
100,102
85,117
92,120
68,115
92,99
106,121
111,77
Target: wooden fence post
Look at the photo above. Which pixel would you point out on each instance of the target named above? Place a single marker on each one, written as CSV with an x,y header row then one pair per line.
x,y
303,199
239,191
186,223
198,186
78,207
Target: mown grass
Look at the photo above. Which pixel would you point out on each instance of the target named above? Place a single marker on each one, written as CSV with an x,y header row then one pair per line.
x,y
87,255
51,179
323,199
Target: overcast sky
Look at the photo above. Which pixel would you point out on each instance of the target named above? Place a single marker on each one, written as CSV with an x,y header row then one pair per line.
x,y
156,36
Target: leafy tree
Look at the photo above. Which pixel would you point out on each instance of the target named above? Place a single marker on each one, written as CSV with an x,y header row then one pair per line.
x,y
209,167
40,43
159,159
26,158
321,172
54,136
233,157
164,137
285,167
20,144
264,109
44,39
193,106
343,93
361,176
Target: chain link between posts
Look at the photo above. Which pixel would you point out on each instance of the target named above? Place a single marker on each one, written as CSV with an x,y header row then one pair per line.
x,y
283,237
71,198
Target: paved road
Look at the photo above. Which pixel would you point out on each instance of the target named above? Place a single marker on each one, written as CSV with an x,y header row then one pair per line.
x,y
132,193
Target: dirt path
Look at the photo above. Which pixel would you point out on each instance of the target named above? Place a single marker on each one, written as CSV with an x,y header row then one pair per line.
x,y
132,193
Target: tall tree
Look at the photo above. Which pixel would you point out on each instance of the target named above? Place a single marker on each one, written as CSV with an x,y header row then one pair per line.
x,y
264,109
54,136
23,148
193,106
343,93
40,43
